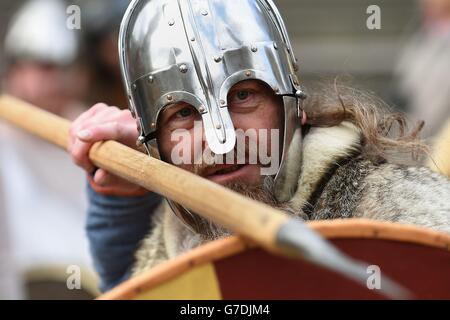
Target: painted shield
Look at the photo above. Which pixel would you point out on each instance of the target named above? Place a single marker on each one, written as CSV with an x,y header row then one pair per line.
x,y
233,269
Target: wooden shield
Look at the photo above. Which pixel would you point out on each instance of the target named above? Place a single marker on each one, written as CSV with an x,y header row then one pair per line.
x,y
234,269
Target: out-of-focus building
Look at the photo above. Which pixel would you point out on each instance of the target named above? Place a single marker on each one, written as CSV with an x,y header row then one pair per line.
x,y
332,39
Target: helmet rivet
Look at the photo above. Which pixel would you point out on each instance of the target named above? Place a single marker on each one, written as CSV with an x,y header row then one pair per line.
x,y
254,49
275,46
202,109
217,59
171,22
150,79
169,97
153,125
248,73
193,39
140,141
300,94
204,13
223,103
183,68
134,86
277,90
218,127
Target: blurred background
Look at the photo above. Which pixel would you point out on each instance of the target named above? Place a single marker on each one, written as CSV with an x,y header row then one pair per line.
x,y
406,62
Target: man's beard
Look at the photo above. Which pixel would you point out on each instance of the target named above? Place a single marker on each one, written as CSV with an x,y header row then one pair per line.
x,y
262,192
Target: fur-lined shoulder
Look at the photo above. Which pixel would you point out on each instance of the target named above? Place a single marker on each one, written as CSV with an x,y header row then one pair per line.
x,y
169,237
408,195
335,181
152,250
322,149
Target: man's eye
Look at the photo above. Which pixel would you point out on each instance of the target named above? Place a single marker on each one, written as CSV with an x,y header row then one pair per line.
x,y
185,113
242,95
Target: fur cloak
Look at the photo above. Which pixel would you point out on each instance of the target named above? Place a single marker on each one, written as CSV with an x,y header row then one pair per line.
x,y
336,181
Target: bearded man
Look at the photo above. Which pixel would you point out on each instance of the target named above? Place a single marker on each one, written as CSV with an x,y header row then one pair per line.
x,y
229,66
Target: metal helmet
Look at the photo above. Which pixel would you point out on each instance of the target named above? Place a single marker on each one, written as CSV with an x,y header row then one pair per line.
x,y
195,51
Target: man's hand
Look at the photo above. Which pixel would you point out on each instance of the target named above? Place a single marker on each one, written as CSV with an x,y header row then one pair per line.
x,y
102,123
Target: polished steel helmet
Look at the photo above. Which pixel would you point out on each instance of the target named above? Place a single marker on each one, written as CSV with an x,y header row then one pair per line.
x,y
195,51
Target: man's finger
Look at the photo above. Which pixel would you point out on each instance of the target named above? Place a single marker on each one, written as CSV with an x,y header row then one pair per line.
x,y
101,177
89,114
114,130
77,123
116,184
80,155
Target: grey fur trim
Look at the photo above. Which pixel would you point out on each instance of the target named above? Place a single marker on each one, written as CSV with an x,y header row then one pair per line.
x,y
152,250
407,195
336,181
339,193
169,237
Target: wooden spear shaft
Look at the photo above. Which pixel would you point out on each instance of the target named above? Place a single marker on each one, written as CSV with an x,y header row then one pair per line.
x,y
266,226
257,221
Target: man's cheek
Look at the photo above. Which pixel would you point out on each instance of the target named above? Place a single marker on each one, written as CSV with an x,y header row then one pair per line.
x,y
269,151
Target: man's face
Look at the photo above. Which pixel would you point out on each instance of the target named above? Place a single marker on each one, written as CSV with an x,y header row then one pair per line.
x,y
254,108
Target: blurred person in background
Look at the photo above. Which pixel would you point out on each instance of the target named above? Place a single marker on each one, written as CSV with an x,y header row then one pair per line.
x,y
43,191
40,54
423,70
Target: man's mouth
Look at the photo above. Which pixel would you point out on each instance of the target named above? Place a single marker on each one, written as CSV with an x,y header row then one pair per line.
x,y
228,170
225,173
